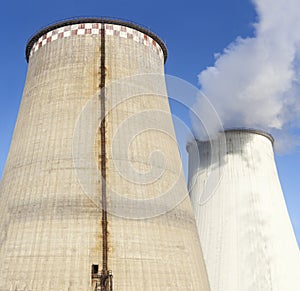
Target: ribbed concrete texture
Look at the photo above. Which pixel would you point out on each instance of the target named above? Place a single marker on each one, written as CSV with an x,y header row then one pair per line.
x,y
58,217
245,231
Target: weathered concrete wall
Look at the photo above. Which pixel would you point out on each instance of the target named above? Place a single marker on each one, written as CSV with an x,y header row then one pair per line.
x,y
245,231
50,208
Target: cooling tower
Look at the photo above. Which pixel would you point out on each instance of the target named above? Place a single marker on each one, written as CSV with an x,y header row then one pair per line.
x,y
245,231
93,196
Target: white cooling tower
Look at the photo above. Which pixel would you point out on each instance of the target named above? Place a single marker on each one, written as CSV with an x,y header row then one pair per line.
x,y
244,227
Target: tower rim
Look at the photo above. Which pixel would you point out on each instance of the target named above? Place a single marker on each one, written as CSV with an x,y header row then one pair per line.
x,y
251,130
107,20
237,129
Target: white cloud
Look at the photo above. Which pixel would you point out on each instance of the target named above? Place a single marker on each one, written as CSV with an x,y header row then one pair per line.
x,y
255,82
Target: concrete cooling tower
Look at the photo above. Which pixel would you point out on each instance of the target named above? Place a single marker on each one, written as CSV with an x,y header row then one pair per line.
x,y
93,196
246,235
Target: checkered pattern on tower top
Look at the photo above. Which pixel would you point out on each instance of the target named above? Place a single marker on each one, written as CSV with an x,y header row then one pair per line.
x,y
95,29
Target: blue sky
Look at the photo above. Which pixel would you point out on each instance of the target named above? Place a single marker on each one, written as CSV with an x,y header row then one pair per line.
x,y
193,31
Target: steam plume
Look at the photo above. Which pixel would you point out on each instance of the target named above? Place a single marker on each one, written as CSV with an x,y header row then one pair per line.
x,y
255,81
